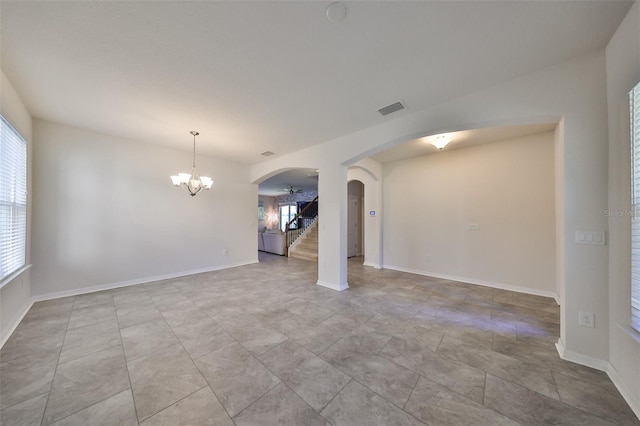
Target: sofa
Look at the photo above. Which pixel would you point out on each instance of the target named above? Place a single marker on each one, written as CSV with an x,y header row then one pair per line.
x,y
272,242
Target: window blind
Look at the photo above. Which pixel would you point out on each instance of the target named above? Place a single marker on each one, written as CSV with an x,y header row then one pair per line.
x,y
634,97
13,199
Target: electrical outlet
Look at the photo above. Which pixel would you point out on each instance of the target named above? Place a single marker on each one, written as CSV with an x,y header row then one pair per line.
x,y
225,252
587,319
427,258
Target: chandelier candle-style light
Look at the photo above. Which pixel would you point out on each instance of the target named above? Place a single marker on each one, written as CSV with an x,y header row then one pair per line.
x,y
191,182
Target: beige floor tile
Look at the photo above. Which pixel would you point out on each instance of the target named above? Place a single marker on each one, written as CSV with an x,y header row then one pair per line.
x,y
531,408
90,339
455,375
435,404
133,314
236,377
532,376
357,405
81,383
600,399
275,347
315,380
26,413
26,377
200,408
116,410
202,336
254,336
145,338
34,338
91,315
163,378
91,299
392,381
280,406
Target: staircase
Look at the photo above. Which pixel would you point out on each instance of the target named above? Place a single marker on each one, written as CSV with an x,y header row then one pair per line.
x,y
306,247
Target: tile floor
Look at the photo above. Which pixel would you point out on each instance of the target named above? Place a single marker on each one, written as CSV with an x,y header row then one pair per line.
x,y
263,345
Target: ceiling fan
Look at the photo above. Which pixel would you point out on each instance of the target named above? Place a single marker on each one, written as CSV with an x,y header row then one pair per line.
x,y
292,190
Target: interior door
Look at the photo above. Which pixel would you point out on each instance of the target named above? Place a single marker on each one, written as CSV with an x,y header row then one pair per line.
x,y
352,226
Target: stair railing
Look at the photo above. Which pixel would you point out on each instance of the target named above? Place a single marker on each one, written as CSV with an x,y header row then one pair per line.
x,y
302,220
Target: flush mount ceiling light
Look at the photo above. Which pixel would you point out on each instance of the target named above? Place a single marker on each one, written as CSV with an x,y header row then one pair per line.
x,y
191,182
440,141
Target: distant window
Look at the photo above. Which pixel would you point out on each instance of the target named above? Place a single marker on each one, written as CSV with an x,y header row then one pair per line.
x,y
13,200
634,97
287,213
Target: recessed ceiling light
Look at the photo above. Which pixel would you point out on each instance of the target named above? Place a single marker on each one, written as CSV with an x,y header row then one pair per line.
x,y
266,153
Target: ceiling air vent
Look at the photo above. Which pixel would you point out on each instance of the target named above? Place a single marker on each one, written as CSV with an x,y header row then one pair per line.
x,y
391,108
266,153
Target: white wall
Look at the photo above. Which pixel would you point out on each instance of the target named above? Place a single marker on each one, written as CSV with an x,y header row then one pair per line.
x,y
573,92
105,212
506,188
623,73
15,295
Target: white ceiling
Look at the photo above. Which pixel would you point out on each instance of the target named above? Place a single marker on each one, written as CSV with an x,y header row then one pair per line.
x,y
278,76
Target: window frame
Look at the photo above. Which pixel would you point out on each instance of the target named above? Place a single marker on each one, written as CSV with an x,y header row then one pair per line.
x,y
289,216
14,152
634,121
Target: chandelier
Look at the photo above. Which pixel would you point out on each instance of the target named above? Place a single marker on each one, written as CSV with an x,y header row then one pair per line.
x,y
191,182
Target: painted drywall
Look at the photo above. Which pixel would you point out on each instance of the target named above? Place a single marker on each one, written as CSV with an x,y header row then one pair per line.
x,y
573,92
15,294
623,73
504,188
105,212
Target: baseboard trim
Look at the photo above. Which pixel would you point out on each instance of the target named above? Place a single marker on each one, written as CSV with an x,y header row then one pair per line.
x,y
607,367
373,265
628,396
102,287
16,322
581,359
467,280
332,286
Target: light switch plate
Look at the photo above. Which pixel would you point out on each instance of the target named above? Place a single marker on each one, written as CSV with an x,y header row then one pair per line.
x,y
590,237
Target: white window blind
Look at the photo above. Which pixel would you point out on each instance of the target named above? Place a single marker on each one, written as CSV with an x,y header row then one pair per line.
x,y
13,199
634,97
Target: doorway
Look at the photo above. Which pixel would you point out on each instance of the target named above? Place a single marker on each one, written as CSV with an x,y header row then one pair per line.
x,y
355,234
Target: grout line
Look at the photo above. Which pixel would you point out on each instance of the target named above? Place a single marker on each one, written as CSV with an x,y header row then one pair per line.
x,y
55,371
126,367
173,403
411,393
337,393
439,343
484,388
